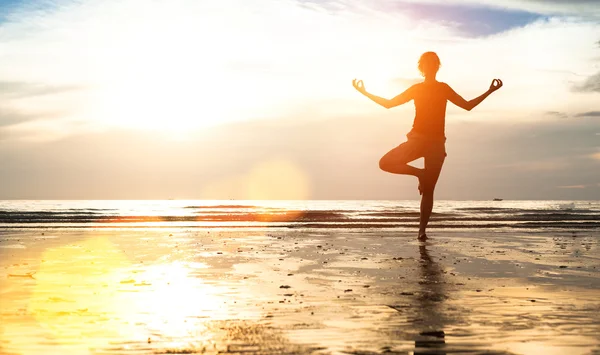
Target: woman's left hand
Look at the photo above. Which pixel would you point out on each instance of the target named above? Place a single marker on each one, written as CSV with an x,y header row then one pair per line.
x,y
359,85
495,85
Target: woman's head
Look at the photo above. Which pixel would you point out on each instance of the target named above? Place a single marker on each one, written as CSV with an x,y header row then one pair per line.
x,y
429,64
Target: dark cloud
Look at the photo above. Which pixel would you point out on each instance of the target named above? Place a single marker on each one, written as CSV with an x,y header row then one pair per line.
x,y
557,114
588,114
591,84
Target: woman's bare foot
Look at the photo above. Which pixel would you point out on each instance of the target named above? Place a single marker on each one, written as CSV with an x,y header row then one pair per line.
x,y
422,237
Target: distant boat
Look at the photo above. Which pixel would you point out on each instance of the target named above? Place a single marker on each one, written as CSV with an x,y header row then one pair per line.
x,y
497,199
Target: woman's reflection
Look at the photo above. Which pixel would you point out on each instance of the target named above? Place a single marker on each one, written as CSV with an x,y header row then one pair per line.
x,y
430,318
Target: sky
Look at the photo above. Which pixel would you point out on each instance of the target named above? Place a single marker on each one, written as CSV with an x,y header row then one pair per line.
x,y
252,99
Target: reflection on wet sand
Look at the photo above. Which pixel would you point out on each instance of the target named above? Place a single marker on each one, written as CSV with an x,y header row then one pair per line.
x,y
101,294
432,293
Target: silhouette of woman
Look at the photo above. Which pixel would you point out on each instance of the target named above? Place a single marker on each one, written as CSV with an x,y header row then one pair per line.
x,y
427,138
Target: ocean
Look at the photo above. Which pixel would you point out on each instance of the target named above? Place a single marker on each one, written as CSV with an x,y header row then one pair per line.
x,y
536,216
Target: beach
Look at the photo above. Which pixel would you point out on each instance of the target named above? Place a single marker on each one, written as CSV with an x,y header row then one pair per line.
x,y
97,289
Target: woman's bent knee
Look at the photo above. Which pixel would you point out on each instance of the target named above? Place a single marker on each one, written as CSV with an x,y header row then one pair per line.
x,y
384,164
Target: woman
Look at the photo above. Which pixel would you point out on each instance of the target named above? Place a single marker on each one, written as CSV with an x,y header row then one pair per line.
x,y
427,138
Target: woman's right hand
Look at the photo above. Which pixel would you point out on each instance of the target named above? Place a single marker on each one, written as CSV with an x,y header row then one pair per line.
x,y
495,85
359,85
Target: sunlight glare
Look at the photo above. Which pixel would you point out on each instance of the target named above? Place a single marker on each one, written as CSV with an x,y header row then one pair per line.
x,y
73,292
90,293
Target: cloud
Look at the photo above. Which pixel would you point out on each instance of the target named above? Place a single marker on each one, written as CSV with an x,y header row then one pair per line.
x,y
327,5
572,187
591,84
30,107
468,19
581,8
556,114
537,166
22,89
588,114
568,6
162,60
471,18
9,117
324,159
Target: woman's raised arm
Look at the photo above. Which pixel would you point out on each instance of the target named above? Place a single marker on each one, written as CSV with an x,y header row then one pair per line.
x,y
469,105
403,98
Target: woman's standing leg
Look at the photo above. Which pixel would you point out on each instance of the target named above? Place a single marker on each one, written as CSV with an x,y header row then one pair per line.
x,y
433,167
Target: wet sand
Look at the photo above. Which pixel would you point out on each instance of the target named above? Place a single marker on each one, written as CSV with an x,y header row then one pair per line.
x,y
176,291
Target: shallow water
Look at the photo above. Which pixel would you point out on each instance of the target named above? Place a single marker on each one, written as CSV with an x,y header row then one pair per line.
x,y
518,216
166,291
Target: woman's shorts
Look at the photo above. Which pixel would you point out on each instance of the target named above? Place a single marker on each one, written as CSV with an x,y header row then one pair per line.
x,y
417,146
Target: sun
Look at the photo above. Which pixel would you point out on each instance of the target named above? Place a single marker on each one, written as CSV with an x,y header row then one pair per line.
x,y
175,77
165,93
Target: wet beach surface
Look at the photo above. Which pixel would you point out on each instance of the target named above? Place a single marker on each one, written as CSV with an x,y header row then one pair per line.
x,y
186,291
